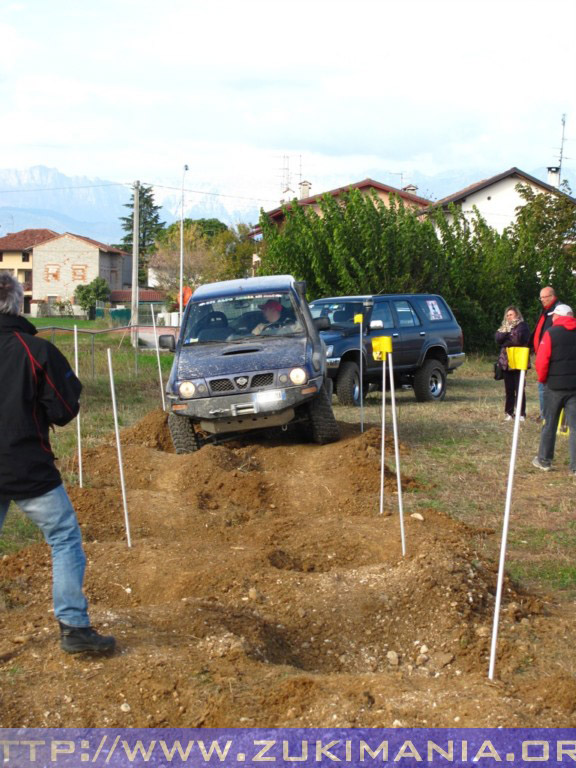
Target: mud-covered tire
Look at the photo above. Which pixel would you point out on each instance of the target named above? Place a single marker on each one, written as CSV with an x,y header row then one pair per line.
x,y
322,425
430,382
184,436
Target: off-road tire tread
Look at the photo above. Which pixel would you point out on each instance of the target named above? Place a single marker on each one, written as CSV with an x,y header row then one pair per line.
x,y
323,427
184,436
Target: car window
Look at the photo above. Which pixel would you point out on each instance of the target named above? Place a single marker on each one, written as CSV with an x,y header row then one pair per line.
x,y
340,313
434,309
407,317
230,318
382,314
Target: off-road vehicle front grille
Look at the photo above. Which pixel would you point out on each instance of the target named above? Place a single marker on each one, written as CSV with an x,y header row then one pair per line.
x,y
263,380
221,385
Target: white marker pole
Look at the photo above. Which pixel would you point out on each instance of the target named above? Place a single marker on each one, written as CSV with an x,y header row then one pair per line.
x,y
361,374
505,524
158,358
383,435
397,454
115,410
78,430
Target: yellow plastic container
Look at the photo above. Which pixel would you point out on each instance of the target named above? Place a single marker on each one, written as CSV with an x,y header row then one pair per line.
x,y
381,346
358,318
518,358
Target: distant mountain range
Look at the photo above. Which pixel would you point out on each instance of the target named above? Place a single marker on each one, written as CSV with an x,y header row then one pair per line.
x,y
40,197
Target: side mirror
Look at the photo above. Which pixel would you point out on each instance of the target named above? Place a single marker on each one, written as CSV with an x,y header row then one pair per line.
x,y
322,323
167,341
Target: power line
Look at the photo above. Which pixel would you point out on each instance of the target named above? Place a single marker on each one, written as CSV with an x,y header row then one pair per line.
x,y
54,189
213,194
130,185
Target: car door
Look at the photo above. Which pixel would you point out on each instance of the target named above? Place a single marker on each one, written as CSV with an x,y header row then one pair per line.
x,y
381,324
409,334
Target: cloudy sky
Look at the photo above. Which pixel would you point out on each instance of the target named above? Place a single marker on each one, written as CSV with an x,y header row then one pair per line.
x,y
336,90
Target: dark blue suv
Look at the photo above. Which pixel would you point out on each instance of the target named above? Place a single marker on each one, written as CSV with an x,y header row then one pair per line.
x,y
249,356
427,342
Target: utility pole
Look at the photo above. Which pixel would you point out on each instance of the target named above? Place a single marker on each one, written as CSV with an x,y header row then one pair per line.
x,y
135,261
181,281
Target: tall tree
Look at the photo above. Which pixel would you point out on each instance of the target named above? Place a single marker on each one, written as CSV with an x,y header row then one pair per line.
x,y
149,230
212,251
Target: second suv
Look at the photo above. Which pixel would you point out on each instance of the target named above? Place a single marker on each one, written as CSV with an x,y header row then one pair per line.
x,y
427,342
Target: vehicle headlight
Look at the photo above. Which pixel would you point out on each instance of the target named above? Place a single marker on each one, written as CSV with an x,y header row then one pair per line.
x,y
298,376
329,350
186,389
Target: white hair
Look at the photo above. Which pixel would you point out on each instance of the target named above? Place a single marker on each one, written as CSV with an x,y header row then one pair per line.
x,y
11,294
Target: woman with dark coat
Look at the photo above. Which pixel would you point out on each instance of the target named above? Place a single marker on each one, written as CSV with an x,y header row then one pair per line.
x,y
513,332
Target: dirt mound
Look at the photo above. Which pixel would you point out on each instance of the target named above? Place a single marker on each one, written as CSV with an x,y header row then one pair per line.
x,y
264,588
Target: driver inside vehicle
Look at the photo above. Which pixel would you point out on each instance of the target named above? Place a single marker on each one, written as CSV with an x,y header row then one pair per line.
x,y
272,312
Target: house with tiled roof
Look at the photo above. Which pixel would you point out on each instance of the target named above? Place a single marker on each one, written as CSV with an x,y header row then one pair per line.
x,y
368,186
497,198
66,261
16,256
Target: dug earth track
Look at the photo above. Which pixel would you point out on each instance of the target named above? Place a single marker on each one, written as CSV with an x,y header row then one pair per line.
x,y
263,588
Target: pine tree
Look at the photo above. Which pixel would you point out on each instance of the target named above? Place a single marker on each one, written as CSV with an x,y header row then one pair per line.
x,y
150,228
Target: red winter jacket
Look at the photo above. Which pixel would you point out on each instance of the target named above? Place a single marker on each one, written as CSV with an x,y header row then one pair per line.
x,y
545,349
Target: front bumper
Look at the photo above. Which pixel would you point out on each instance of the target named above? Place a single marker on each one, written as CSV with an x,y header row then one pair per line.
x,y
246,410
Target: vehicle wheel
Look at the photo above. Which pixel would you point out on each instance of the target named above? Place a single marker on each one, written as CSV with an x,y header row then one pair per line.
x,y
348,384
322,426
430,382
184,437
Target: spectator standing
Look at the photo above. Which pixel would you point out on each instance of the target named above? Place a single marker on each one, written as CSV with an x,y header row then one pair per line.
x,y
513,332
548,300
39,390
556,367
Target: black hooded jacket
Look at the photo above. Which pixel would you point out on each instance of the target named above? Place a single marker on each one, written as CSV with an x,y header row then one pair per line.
x,y
37,389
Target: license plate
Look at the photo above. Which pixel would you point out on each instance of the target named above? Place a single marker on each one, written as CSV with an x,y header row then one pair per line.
x,y
270,396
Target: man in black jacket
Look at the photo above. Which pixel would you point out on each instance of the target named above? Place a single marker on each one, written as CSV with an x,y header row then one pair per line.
x,y
39,390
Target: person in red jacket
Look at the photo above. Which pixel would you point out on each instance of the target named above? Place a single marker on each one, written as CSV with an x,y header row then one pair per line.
x,y
556,368
548,300
39,390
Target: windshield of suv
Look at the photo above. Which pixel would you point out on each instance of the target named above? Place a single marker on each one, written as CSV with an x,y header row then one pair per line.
x,y
231,318
340,313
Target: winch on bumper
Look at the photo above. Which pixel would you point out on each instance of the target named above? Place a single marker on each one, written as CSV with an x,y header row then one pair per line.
x,y
241,411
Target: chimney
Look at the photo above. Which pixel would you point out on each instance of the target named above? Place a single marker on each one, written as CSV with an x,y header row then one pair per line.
x,y
305,187
554,176
410,188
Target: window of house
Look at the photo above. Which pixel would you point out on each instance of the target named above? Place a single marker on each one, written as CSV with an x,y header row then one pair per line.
x,y
25,257
51,272
79,272
1,256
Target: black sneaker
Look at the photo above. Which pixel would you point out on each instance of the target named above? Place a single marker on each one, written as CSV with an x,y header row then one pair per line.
x,y
84,639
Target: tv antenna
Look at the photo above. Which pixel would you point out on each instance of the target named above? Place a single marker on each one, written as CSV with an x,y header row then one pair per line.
x,y
561,147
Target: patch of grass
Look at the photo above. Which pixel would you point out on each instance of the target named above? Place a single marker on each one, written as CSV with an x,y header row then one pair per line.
x,y
547,573
17,532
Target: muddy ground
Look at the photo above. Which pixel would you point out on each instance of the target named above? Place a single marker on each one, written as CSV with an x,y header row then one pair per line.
x,y
263,588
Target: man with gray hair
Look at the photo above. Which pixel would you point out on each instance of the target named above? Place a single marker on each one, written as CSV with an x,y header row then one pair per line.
x,y
39,390
556,367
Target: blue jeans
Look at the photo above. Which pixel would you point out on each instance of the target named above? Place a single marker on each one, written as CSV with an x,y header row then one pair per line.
x,y
54,514
541,390
554,401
